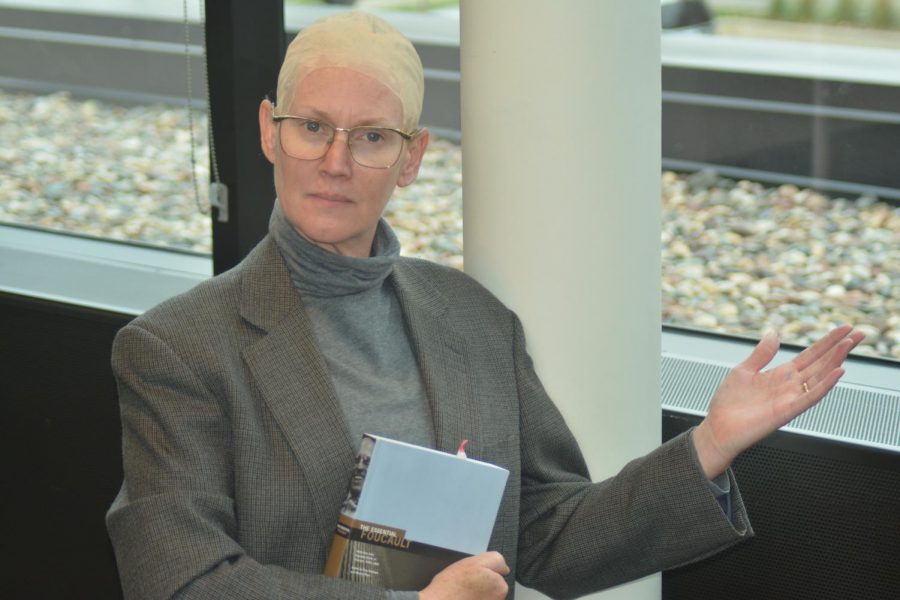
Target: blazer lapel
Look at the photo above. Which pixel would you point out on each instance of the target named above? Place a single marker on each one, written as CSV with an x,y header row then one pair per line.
x,y
294,382
443,360
293,379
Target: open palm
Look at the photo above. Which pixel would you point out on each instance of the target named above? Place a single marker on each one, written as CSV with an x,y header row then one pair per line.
x,y
751,403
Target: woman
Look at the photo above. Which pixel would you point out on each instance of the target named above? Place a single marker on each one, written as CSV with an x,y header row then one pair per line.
x,y
242,401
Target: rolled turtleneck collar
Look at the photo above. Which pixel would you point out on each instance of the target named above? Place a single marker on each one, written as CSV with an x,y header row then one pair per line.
x,y
320,273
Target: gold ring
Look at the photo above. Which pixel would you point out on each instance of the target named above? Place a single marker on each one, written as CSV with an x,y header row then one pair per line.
x,y
805,388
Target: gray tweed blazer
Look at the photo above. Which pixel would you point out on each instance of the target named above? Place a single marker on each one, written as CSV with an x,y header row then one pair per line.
x,y
237,456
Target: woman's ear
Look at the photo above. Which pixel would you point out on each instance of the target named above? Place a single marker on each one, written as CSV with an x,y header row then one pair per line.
x,y
410,170
268,130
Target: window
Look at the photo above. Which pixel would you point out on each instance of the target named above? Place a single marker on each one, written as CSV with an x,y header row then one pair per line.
x,y
781,203
97,103
780,123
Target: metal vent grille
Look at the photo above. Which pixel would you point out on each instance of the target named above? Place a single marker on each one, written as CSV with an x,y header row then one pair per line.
x,y
849,412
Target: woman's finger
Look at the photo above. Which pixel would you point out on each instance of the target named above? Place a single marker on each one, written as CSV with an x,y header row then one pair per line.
x,y
794,404
763,354
817,392
830,361
821,347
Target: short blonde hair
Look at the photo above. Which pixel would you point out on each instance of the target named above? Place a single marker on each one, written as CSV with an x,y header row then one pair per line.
x,y
362,42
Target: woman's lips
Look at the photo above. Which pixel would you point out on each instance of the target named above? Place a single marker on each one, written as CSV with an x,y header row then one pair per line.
x,y
331,198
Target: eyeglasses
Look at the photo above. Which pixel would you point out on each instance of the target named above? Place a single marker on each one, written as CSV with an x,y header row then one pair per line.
x,y
310,139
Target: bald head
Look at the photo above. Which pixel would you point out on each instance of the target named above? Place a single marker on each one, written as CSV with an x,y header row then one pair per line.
x,y
361,42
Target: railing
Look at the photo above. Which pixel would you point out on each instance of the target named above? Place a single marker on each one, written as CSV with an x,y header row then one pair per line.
x,y
142,60
821,116
747,109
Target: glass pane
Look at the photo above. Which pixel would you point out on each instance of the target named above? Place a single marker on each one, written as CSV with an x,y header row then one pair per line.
x,y
98,139
781,196
427,215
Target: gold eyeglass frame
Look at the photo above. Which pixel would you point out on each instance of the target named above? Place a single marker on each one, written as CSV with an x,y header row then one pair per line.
x,y
404,134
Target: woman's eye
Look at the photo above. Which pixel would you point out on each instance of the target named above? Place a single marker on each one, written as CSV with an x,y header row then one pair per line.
x,y
313,126
373,136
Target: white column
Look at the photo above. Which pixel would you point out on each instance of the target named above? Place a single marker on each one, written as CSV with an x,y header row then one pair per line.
x,y
561,163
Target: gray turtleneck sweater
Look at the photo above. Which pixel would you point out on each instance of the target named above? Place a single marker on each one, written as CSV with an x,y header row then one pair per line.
x,y
360,329
359,326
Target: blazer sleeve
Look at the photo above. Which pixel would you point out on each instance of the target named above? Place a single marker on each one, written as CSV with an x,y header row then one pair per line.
x,y
173,523
576,536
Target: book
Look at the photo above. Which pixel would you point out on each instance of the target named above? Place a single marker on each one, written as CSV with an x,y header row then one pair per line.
x,y
410,512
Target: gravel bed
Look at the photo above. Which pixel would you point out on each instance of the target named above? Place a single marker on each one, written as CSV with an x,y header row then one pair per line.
x,y
742,258
738,257
102,170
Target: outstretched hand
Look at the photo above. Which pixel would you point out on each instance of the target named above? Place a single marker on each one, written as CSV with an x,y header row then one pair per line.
x,y
752,403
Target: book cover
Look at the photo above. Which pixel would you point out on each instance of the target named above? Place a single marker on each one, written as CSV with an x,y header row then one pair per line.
x,y
411,511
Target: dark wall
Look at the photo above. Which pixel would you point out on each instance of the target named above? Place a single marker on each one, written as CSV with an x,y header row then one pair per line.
x,y
62,449
827,522
827,514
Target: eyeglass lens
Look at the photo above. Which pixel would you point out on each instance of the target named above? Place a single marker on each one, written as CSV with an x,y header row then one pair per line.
x,y
369,146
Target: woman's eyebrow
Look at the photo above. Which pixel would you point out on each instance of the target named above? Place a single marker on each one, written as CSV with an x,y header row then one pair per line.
x,y
321,116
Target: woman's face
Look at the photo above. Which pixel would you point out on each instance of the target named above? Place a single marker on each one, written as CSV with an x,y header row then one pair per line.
x,y
333,201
